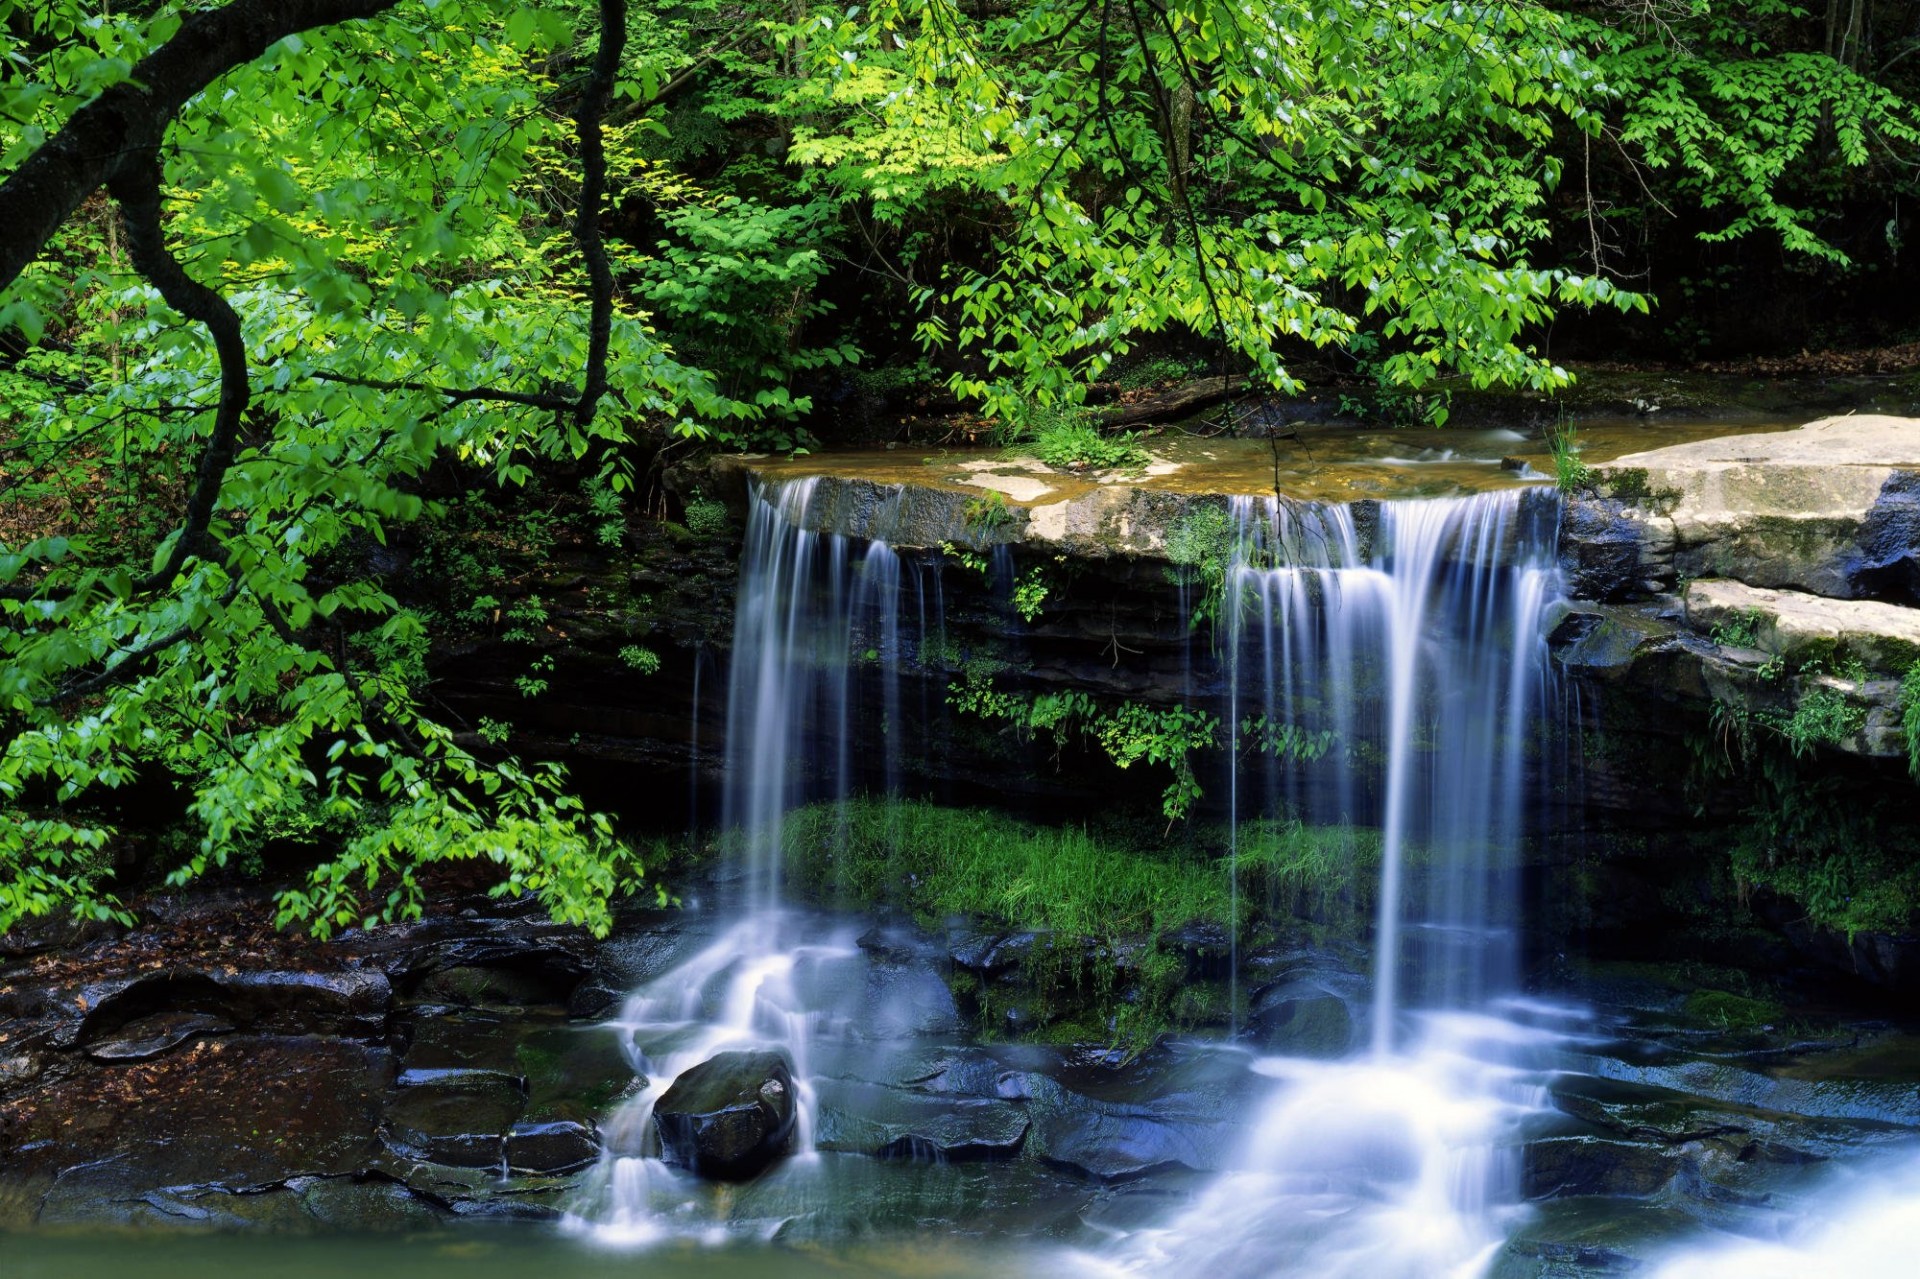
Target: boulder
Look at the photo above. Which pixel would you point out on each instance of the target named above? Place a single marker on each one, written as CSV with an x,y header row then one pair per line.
x,y
1798,626
352,1003
730,1117
1610,551
1581,1165
1889,563
1309,1016
150,1036
1826,509
1121,1140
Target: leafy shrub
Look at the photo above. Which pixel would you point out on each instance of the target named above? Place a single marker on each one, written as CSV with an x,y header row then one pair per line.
x,y
706,517
1066,437
1156,371
1127,733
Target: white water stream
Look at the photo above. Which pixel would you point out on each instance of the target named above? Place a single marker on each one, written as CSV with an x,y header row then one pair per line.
x,y
1421,658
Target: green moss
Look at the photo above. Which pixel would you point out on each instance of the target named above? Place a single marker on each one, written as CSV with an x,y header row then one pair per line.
x,y
1632,485
1729,1011
938,862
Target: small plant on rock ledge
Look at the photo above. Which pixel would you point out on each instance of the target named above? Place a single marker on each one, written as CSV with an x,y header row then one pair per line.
x,y
1570,472
1068,438
1030,593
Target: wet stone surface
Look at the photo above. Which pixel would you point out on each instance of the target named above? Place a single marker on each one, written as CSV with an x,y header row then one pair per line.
x,y
478,1098
288,1085
730,1116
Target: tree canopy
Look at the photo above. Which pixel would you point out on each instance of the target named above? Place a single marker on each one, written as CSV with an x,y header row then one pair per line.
x,y
264,264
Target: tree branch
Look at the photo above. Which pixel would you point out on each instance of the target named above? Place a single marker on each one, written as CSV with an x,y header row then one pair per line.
x,y
457,394
128,120
136,186
593,190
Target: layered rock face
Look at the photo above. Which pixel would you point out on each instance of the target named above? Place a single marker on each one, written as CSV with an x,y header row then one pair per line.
x,y
1779,569
1746,609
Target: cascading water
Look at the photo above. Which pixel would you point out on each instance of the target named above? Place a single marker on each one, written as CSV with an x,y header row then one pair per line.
x,y
1385,664
810,612
1390,673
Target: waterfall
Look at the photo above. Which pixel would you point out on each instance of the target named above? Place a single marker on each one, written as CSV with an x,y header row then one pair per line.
x,y
817,636
1391,680
1390,665
1382,667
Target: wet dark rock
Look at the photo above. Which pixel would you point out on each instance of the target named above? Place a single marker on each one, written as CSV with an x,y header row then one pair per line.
x,y
456,1117
52,932
631,959
20,1068
1601,551
902,1001
1571,1238
470,985
1888,960
991,954
350,1003
570,1071
1305,1016
1206,949
1611,642
299,1203
1889,562
535,947
365,1203
594,998
150,1036
895,1123
896,943
1118,1140
730,1117
236,1112
1582,1165
1652,1114
560,1146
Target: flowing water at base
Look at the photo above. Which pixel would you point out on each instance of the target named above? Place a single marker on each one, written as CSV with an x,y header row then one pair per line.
x,y
1863,1223
753,988
1391,1166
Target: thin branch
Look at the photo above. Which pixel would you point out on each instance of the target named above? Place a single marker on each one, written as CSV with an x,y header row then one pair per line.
x,y
457,394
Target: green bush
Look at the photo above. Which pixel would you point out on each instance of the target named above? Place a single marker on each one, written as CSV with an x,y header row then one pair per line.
x,y
706,517
1067,437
